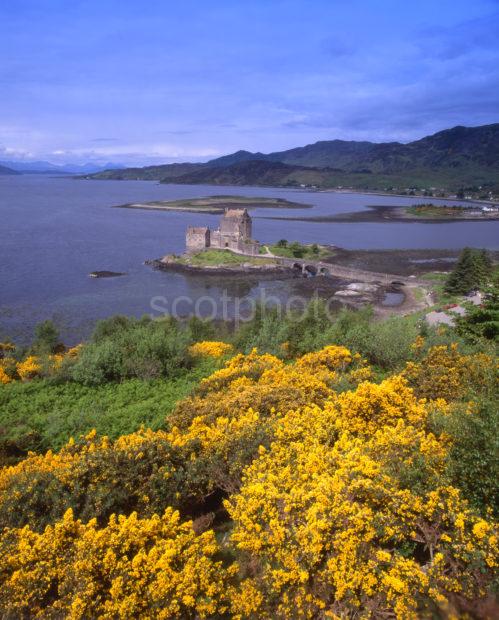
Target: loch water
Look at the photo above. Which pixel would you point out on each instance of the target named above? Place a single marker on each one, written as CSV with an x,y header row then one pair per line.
x,y
54,231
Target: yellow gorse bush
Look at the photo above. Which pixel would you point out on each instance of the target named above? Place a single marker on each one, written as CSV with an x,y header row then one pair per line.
x,y
29,368
33,365
4,377
331,490
326,528
133,568
445,373
210,348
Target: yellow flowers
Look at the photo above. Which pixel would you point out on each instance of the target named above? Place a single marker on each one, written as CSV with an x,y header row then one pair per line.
x,y
29,368
73,352
154,568
331,357
33,365
444,373
334,511
481,529
210,348
4,377
371,406
328,494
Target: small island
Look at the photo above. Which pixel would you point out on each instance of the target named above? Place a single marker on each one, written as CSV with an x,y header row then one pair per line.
x,y
227,248
231,249
216,205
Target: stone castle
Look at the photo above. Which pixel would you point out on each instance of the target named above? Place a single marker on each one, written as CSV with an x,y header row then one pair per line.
x,y
234,234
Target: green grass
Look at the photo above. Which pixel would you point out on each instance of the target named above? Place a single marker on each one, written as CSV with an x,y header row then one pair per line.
x,y
438,280
41,415
418,294
219,257
437,276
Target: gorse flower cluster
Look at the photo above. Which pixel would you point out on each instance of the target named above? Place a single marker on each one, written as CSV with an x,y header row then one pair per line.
x,y
34,366
306,489
133,568
210,348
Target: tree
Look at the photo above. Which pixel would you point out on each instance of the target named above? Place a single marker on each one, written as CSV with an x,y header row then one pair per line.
x,y
297,250
46,338
482,321
282,243
471,271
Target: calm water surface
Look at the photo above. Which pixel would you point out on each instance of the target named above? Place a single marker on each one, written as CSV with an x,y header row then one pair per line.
x,y
54,231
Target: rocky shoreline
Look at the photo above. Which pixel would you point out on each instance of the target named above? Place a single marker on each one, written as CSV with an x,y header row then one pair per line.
x,y
346,292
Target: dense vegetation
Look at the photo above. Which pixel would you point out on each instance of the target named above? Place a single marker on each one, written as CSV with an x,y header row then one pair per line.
x,y
295,249
473,270
302,469
462,159
482,322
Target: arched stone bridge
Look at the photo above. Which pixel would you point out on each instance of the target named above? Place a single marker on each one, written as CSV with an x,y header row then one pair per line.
x,y
318,268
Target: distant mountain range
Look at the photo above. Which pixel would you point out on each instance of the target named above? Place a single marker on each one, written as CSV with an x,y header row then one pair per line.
x,y
461,157
4,170
45,167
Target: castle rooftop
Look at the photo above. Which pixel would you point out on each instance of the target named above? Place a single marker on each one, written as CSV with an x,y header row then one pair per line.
x,y
235,212
197,229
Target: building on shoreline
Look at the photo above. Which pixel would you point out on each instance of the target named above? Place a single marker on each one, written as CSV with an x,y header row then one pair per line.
x,y
233,234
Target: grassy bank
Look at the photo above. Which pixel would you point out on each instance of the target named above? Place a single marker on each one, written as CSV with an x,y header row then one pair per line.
x,y
213,258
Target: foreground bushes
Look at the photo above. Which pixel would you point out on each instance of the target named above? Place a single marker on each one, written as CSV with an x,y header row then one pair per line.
x,y
143,349
133,568
331,495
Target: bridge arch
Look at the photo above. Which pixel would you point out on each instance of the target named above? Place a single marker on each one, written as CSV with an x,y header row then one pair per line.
x,y
310,269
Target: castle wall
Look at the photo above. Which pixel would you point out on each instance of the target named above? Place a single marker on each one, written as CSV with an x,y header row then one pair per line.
x,y
197,239
239,226
216,239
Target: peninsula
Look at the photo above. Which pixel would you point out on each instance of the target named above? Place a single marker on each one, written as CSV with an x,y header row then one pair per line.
x,y
427,213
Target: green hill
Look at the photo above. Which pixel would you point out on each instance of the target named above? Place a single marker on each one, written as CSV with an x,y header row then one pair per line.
x,y
461,157
148,173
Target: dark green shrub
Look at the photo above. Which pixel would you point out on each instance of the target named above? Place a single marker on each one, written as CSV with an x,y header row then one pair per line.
x,y
47,339
142,349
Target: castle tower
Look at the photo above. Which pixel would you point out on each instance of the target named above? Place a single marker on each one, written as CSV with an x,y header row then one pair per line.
x,y
197,238
236,223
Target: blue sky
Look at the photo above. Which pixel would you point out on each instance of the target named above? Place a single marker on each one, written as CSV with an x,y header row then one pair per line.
x,y
156,81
